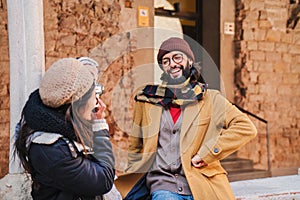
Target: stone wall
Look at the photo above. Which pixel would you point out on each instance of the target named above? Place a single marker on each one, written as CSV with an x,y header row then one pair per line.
x,y
15,187
118,88
73,29
4,90
267,77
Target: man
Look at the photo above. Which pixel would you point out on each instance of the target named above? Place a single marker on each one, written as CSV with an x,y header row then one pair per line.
x,y
180,133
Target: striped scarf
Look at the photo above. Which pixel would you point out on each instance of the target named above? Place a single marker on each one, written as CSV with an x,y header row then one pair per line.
x,y
165,95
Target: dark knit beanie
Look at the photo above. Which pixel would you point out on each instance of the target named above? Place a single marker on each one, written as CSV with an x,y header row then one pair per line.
x,y
174,44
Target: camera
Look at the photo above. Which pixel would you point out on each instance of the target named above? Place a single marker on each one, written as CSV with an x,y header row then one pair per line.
x,y
99,88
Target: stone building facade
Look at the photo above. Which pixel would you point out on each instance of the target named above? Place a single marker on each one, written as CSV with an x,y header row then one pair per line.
x,y
266,60
4,91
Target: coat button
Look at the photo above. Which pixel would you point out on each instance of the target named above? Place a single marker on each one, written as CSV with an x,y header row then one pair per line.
x,y
180,189
216,150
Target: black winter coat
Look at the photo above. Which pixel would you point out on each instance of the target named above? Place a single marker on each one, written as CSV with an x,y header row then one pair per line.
x,y
60,172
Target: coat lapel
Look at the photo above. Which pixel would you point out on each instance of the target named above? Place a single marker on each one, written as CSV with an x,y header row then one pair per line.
x,y
190,113
154,119
151,131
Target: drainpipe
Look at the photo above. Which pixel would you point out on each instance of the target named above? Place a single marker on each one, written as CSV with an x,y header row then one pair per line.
x,y
27,59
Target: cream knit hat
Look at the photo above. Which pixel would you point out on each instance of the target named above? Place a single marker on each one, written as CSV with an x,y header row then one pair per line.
x,y
65,81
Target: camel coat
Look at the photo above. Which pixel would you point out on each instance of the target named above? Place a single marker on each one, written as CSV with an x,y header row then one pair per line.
x,y
211,127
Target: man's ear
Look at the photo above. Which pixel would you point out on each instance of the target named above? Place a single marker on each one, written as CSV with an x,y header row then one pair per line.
x,y
190,63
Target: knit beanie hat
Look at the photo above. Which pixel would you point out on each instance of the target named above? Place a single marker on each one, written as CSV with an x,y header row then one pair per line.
x,y
65,81
174,44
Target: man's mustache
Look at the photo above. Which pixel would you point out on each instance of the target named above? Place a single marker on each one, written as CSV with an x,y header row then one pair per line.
x,y
177,66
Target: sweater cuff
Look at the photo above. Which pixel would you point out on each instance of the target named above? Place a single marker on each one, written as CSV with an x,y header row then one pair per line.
x,y
99,124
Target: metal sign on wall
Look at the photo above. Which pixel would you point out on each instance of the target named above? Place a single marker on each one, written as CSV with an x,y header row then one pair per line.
x,y
143,16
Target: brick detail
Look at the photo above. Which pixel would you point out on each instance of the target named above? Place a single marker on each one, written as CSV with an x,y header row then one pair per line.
x,y
4,90
270,58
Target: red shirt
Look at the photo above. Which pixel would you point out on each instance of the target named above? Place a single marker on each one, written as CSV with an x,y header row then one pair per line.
x,y
175,111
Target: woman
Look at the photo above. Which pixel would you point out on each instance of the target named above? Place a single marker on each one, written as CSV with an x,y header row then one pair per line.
x,y
62,140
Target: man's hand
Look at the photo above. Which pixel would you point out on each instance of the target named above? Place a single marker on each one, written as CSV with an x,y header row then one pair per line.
x,y
198,162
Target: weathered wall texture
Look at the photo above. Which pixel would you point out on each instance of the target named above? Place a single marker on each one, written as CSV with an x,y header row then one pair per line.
x,y
268,77
113,67
4,90
72,29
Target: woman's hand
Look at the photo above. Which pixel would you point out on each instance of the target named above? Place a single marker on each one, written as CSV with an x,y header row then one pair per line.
x,y
198,162
99,111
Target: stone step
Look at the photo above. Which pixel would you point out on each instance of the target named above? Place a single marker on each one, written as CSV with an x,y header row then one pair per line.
x,y
271,188
248,174
237,164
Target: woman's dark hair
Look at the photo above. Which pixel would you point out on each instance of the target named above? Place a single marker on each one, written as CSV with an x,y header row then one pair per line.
x,y
22,132
82,127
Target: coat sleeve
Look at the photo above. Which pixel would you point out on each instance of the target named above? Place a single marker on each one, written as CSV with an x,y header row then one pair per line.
x,y
102,145
55,167
135,140
229,130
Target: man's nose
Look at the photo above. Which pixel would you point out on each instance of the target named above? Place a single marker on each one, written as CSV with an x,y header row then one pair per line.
x,y
173,64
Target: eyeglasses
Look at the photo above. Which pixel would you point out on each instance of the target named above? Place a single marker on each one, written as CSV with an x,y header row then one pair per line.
x,y
177,58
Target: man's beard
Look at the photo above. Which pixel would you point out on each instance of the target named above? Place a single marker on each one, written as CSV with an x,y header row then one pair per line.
x,y
175,81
